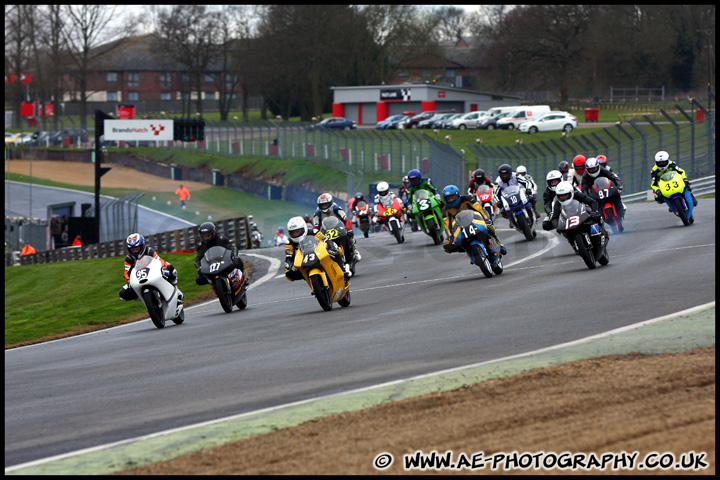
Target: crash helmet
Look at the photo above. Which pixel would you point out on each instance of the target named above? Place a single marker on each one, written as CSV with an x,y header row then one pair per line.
x,y
479,175
565,192
451,194
505,172
383,188
602,160
414,177
662,160
297,229
281,230
564,167
592,166
553,178
207,230
136,245
359,197
521,171
579,163
324,202
405,180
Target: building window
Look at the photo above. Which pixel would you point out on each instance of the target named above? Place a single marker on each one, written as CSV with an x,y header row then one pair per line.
x,y
133,96
403,72
112,96
230,81
209,78
209,95
111,77
165,80
133,79
165,96
426,73
450,73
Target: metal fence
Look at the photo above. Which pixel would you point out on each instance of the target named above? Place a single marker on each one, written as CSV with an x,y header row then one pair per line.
x,y
118,216
630,150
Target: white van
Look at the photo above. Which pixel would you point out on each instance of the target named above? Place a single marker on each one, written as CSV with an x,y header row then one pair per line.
x,y
495,111
523,114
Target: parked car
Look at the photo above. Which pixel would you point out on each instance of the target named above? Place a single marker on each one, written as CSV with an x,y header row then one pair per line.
x,y
414,121
75,134
441,119
465,121
523,114
383,124
40,139
334,123
397,124
490,123
10,138
550,122
428,122
495,111
23,138
446,122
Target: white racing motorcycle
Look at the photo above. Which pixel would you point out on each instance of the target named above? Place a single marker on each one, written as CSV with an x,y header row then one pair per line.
x,y
161,298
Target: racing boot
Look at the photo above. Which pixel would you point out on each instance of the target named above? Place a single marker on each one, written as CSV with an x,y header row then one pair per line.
x,y
491,231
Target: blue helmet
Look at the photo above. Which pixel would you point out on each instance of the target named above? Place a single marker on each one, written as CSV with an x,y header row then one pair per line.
x,y
135,245
414,177
451,194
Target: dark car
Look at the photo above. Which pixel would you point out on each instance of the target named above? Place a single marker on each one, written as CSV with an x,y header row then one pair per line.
x,y
491,123
396,124
334,123
413,122
40,139
75,135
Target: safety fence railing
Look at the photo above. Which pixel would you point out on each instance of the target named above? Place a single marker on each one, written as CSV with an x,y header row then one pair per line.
x,y
700,186
181,240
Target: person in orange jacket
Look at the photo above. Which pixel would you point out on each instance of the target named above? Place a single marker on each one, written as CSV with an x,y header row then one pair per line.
x,y
183,193
27,249
77,242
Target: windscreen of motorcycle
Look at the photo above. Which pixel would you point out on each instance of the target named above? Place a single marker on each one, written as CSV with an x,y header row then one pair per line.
x,y
332,227
308,245
572,215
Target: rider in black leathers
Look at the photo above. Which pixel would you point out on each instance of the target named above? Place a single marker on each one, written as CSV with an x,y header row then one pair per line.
x,y
210,237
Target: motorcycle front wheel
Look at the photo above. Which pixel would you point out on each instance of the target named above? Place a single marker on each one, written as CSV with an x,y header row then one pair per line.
x,y
680,209
152,302
525,227
224,294
322,293
585,252
481,261
345,301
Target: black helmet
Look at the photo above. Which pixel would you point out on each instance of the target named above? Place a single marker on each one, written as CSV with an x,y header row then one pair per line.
x,y
564,167
207,232
479,175
359,196
505,172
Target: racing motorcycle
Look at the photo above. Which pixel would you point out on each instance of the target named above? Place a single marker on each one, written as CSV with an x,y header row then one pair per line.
x,y
584,234
605,192
161,298
334,229
519,211
256,237
485,196
280,239
390,213
468,230
227,281
322,273
426,210
676,195
362,217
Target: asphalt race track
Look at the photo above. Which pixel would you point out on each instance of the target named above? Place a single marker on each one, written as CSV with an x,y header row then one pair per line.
x,y
415,310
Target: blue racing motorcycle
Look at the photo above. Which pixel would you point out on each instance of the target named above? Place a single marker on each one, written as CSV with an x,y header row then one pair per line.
x,y
469,231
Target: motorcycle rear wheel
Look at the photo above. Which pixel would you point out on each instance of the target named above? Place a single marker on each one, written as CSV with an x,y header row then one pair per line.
x,y
152,302
586,253
322,293
680,209
223,293
481,261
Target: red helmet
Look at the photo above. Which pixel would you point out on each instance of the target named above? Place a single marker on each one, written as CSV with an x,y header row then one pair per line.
x,y
579,163
602,160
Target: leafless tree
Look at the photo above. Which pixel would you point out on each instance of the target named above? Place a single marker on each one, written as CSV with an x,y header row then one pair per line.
x,y
18,50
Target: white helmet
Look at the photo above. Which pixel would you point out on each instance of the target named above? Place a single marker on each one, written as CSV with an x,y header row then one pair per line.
x,y
565,188
662,160
297,229
382,188
521,170
592,166
555,177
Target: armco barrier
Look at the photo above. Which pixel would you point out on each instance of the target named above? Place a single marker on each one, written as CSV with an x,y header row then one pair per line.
x,y
167,242
701,186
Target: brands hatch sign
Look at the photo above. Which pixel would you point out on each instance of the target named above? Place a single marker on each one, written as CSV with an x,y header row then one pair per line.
x,y
395,95
138,130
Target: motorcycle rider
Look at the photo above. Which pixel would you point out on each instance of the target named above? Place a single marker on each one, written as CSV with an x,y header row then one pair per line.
x,y
137,248
297,230
280,238
477,179
454,203
506,177
564,168
352,204
210,237
418,182
383,190
326,208
662,165
255,232
593,170
564,193
521,173
552,179
575,176
402,191
603,161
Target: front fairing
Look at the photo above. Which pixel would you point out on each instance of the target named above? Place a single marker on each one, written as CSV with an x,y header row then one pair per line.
x,y
514,199
573,215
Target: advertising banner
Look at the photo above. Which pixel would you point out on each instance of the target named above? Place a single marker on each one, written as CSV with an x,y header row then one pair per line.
x,y
138,130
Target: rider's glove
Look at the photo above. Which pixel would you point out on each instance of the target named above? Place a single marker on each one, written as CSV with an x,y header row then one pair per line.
x,y
438,198
165,272
547,224
658,197
595,216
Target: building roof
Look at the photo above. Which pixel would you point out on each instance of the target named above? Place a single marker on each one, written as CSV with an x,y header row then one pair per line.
x,y
138,53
